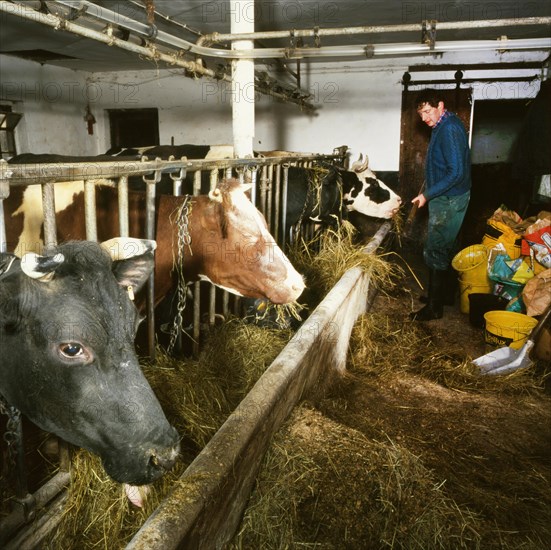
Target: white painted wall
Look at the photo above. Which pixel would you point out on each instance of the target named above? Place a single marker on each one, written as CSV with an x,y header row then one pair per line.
x,y
53,102
358,105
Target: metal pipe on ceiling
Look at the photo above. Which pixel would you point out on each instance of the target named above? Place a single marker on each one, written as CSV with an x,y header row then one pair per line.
x,y
325,51
172,58
376,29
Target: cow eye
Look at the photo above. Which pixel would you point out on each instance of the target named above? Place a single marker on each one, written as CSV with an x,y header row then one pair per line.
x,y
71,350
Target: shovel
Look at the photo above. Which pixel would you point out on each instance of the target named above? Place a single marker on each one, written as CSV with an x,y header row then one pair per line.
x,y
506,360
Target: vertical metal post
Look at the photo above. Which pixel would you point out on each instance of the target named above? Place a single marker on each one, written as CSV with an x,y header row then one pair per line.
x,y
212,292
277,202
90,210
196,285
284,203
254,170
122,191
269,190
3,243
263,189
48,208
4,194
150,234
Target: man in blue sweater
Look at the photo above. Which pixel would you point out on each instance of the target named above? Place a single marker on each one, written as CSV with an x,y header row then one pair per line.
x,y
447,192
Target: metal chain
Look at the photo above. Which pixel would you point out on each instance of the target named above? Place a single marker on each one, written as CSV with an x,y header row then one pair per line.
x,y
183,240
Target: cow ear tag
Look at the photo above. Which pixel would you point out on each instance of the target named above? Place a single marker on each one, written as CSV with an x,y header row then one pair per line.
x,y
130,291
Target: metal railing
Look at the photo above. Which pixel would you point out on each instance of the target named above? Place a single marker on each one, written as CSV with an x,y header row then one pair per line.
x,y
269,176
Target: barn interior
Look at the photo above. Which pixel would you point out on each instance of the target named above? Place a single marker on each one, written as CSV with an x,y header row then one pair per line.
x,y
82,77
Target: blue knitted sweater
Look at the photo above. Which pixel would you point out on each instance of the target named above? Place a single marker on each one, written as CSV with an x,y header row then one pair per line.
x,y
448,160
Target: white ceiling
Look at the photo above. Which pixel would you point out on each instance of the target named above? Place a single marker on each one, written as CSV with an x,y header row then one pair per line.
x,y
189,19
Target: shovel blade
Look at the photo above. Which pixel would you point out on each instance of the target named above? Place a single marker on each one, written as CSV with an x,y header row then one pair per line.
x,y
504,360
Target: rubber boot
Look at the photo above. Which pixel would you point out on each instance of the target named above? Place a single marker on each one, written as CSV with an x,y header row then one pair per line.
x,y
435,303
450,288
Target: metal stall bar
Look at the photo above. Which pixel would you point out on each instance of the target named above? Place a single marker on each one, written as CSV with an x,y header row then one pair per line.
x,y
269,195
122,191
284,186
197,285
90,215
212,290
4,193
150,234
263,189
253,169
3,243
48,206
177,185
277,200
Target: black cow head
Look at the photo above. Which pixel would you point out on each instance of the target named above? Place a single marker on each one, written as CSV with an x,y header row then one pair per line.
x,y
67,325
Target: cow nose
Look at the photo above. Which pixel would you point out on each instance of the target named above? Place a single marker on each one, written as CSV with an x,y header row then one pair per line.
x,y
164,461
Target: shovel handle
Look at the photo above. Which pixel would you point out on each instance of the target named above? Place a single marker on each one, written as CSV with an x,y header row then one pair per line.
x,y
534,335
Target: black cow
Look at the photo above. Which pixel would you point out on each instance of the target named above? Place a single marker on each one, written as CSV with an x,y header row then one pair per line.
x,y
67,326
313,194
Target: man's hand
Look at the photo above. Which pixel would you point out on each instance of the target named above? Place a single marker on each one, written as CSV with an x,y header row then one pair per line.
x,y
419,200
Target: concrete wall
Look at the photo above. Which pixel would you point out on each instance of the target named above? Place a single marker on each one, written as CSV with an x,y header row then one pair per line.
x,y
358,104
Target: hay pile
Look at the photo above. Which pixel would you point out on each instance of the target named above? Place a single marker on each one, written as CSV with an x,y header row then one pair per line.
x,y
197,395
412,450
336,252
328,486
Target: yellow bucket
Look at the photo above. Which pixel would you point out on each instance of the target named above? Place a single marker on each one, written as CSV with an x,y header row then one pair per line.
x,y
507,328
470,264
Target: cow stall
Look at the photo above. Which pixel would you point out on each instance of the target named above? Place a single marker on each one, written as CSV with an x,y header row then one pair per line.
x,y
270,176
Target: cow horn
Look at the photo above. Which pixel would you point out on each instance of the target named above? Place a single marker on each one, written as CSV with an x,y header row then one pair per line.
x,y
41,268
123,248
363,166
215,195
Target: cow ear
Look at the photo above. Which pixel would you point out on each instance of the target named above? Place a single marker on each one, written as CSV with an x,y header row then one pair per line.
x,y
123,248
133,260
246,186
134,272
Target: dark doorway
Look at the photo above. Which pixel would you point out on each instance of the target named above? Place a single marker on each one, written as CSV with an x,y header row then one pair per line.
x,y
496,129
134,127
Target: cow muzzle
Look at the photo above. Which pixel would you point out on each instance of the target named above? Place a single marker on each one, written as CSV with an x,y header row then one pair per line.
x,y
141,466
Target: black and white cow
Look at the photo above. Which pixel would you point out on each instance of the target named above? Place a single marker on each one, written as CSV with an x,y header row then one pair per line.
x,y
337,193
67,326
364,193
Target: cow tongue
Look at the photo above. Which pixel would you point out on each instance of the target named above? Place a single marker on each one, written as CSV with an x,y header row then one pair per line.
x,y
136,494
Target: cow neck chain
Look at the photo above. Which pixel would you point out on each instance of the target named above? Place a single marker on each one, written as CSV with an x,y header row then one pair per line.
x,y
313,193
183,241
12,433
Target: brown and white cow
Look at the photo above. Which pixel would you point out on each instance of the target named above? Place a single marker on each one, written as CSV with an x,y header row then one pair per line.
x,y
228,242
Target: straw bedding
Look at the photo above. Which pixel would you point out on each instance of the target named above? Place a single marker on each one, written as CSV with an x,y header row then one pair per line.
x,y
411,449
